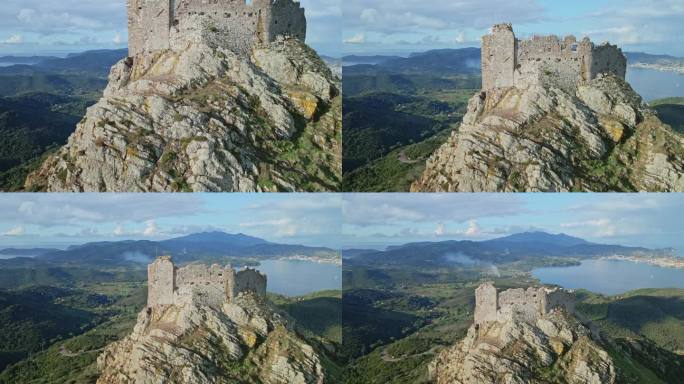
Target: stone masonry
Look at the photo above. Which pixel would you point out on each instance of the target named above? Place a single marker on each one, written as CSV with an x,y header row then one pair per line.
x,y
155,25
199,283
527,304
547,60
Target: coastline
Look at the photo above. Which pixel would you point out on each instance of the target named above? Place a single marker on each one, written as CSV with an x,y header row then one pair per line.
x,y
672,262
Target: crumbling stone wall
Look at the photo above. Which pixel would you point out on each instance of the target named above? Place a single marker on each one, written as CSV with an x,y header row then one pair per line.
x,y
559,298
203,284
250,280
519,303
199,284
545,60
526,303
149,25
233,23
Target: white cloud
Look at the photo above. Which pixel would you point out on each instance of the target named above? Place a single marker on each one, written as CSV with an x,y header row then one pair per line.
x,y
473,229
63,210
16,231
14,39
369,15
394,209
359,38
119,230
391,16
151,228
440,230
460,38
117,38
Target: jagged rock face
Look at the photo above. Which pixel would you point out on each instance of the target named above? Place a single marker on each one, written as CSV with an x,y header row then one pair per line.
x,y
536,138
205,119
243,342
555,348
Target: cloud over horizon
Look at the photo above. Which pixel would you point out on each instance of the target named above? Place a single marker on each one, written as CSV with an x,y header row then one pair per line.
x,y
386,25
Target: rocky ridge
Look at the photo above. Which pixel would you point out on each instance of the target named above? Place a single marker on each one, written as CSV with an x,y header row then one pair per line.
x,y
245,341
553,348
203,118
540,138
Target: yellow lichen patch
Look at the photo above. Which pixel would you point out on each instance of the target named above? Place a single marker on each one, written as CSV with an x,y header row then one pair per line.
x,y
613,127
305,102
557,346
248,337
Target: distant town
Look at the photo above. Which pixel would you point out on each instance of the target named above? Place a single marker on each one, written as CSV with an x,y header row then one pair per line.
x,y
660,261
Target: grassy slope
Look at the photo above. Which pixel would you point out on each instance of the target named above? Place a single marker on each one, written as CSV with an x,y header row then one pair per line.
x,y
389,173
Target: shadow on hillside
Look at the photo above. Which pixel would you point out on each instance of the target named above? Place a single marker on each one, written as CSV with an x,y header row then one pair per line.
x,y
672,114
365,326
321,315
637,311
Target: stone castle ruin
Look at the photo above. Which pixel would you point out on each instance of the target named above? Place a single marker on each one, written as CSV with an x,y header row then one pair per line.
x,y
528,304
155,25
509,62
199,284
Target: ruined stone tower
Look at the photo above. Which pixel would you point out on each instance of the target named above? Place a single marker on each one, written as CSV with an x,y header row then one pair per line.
x,y
486,303
547,60
199,284
519,303
171,24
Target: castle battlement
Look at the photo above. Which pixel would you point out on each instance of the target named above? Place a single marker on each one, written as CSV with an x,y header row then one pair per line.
x,y
528,304
199,283
509,62
155,25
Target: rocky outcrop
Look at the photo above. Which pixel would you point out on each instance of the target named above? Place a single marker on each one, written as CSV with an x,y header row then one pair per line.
x,y
245,341
552,349
203,118
534,138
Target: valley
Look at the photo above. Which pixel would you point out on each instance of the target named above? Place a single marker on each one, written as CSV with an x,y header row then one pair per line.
x,y
41,101
59,309
396,318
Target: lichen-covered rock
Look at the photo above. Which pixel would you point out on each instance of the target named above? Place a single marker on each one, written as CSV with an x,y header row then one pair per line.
x,y
535,138
552,348
203,118
244,342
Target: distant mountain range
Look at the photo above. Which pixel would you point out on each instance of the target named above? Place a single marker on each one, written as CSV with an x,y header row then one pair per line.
x,y
505,249
194,247
97,61
440,61
457,61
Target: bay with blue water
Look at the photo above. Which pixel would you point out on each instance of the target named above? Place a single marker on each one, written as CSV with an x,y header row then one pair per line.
x,y
611,277
296,278
652,84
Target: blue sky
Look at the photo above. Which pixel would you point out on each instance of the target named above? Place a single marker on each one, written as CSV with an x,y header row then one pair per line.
x,y
377,220
63,26
388,26
30,220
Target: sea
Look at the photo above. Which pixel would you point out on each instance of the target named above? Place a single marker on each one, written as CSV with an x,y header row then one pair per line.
x,y
297,278
652,84
611,277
